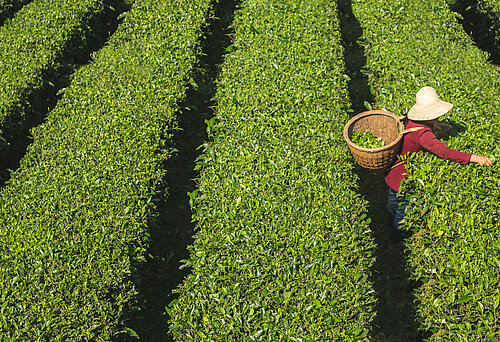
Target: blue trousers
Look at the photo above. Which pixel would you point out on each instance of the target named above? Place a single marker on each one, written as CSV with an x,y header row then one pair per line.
x,y
396,205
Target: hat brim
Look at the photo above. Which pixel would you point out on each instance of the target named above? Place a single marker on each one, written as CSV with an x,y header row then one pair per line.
x,y
429,112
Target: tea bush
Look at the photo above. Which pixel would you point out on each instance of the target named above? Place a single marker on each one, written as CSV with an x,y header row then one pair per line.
x,y
454,209
73,218
32,45
283,249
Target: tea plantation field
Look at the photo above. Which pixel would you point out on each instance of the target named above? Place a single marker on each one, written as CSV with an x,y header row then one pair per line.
x,y
283,247
31,44
454,210
74,216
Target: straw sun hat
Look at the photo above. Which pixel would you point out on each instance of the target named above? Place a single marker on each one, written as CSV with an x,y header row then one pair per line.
x,y
428,106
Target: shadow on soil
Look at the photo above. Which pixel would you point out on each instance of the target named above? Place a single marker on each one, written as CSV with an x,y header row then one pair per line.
x,y
455,130
479,26
8,14
355,59
395,319
171,233
41,101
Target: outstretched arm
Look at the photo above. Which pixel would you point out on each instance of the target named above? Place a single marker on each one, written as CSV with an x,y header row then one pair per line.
x,y
437,147
429,141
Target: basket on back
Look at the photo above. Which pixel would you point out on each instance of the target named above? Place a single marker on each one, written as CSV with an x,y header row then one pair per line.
x,y
385,125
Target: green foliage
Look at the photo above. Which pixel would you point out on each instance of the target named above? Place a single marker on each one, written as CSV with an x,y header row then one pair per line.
x,y
73,218
454,209
31,45
367,140
283,249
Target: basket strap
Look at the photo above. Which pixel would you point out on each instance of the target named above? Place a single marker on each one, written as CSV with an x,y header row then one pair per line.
x,y
413,129
397,165
408,130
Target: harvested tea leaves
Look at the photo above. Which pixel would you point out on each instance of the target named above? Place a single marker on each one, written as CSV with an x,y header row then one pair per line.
x,y
367,140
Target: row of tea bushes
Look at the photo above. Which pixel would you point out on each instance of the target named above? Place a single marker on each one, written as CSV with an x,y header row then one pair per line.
x,y
283,249
8,7
454,209
73,218
32,45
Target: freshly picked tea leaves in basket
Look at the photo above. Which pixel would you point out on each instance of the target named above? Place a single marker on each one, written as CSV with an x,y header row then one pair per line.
x,y
370,151
367,140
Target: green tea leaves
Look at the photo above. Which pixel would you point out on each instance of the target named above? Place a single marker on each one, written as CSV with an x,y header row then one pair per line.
x,y
367,140
74,220
454,209
282,250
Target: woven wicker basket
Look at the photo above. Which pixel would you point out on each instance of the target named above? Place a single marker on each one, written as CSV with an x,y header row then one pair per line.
x,y
385,125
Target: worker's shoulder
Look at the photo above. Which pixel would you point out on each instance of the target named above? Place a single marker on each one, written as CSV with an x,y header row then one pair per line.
x,y
419,127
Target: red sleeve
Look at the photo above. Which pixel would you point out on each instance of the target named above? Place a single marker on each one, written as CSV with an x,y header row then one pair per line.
x,y
429,141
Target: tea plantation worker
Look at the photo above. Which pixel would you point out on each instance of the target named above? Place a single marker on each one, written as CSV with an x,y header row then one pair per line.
x,y
425,114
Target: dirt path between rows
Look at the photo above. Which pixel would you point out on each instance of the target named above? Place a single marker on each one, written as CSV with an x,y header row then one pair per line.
x,y
395,320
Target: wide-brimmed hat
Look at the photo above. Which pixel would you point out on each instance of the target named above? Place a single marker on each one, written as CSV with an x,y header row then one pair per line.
x,y
428,106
